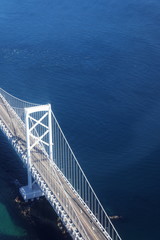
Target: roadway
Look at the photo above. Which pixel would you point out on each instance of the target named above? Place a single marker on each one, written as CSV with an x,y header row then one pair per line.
x,y
53,179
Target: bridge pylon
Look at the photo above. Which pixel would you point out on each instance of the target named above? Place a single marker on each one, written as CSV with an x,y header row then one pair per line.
x,y
38,125
53,170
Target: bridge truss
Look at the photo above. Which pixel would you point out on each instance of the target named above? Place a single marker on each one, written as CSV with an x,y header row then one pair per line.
x,y
52,165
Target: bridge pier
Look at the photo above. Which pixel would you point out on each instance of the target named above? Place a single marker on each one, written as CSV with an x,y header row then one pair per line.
x,y
28,193
60,178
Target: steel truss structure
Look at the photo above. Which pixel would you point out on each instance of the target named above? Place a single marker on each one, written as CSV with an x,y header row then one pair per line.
x,y
53,169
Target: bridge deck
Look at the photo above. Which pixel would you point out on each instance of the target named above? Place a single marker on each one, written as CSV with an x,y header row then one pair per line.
x,y
50,174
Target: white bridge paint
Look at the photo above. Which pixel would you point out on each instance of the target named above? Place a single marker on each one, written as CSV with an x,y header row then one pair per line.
x,y
32,173
46,109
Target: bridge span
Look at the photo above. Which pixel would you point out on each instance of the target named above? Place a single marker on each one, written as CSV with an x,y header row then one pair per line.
x,y
53,170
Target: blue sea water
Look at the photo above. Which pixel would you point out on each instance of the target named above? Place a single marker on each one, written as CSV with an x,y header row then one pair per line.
x,y
97,63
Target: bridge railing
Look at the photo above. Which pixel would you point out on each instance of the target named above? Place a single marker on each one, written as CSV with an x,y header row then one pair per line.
x,y
40,156
68,164
70,167
17,104
55,187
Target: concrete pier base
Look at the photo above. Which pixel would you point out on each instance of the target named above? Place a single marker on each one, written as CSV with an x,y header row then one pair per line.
x,y
30,193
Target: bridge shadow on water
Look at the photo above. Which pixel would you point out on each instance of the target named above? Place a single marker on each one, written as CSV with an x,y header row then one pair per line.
x,y
19,220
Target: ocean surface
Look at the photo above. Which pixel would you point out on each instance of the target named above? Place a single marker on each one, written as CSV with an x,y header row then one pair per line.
x,y
98,64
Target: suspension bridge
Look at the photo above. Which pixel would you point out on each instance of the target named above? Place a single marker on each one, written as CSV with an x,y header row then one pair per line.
x,y
53,170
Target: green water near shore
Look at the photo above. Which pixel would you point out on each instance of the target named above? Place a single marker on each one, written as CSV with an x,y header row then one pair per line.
x,y
7,226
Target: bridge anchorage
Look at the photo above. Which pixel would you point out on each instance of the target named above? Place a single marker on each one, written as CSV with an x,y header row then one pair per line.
x,y
53,170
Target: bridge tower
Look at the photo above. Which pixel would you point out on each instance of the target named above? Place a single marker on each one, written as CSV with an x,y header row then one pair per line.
x,y
55,174
38,125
